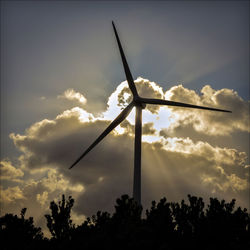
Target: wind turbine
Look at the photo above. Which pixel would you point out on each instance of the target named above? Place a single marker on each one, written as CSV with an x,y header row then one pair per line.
x,y
139,103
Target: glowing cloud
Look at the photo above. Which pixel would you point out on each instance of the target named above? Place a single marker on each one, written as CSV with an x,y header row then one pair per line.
x,y
9,172
72,95
209,122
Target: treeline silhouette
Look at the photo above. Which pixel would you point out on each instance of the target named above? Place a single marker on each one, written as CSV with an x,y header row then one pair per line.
x,y
166,225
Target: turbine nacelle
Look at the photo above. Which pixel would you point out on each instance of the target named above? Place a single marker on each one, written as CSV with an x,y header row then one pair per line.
x,y
137,100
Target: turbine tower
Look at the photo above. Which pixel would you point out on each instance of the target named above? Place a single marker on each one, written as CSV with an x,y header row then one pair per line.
x,y
139,103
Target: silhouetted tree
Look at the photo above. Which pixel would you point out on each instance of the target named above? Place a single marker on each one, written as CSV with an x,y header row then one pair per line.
x,y
189,218
105,231
167,225
20,233
127,211
82,235
59,222
160,223
127,223
225,226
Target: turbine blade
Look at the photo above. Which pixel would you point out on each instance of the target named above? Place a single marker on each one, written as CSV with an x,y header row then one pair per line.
x,y
179,104
125,65
112,125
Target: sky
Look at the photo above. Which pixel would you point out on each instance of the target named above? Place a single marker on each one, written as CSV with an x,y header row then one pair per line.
x,y
62,83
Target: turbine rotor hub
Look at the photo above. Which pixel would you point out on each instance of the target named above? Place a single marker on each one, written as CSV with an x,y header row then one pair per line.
x,y
138,102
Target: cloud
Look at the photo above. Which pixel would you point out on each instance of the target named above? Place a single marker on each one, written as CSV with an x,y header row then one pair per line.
x,y
56,181
42,198
72,95
225,167
217,154
121,97
11,195
206,122
209,122
148,129
9,172
172,166
186,166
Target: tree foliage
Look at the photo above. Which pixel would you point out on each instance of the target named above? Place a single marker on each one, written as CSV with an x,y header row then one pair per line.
x,y
18,232
166,225
59,222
